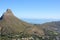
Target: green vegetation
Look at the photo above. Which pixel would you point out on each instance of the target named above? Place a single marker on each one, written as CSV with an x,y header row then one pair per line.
x,y
21,35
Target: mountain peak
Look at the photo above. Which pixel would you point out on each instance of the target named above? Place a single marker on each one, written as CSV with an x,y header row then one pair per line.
x,y
8,12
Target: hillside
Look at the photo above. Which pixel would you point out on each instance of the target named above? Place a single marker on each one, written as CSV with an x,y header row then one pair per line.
x,y
9,24
50,27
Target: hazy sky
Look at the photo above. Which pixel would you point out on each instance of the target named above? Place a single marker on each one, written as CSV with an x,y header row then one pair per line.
x,y
33,9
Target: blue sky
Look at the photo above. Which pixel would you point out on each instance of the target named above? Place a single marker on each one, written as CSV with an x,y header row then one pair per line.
x,y
32,9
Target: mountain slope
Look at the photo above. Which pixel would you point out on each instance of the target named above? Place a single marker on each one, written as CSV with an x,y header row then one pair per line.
x,y
50,26
55,26
11,24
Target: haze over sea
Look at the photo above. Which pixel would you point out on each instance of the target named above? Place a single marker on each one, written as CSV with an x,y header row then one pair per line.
x,y
39,21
